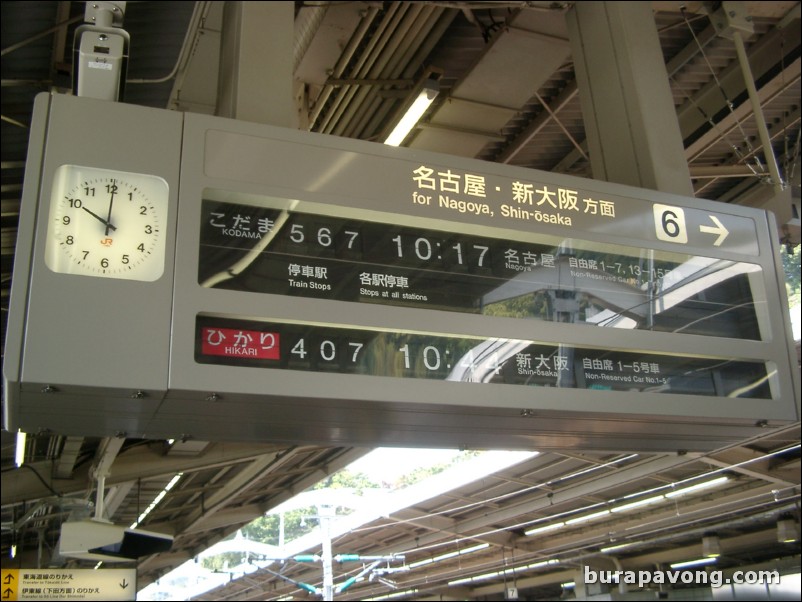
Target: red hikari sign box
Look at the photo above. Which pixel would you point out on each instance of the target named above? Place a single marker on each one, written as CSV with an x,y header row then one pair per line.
x,y
233,342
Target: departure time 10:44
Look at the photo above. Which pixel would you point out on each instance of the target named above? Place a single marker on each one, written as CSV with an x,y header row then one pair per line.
x,y
417,355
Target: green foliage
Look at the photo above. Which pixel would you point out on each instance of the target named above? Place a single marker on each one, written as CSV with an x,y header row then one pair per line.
x,y
297,523
345,479
530,305
221,562
419,474
301,521
791,266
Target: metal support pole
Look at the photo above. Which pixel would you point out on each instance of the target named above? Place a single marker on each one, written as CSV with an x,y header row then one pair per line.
x,y
256,50
630,119
100,502
107,452
765,140
326,513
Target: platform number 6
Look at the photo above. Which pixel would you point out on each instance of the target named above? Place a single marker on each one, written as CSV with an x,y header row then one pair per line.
x,y
669,224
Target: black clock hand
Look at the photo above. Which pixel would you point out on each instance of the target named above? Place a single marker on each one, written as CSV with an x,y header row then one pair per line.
x,y
111,203
100,219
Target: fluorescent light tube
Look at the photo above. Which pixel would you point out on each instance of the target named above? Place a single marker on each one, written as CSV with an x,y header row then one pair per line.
x,y
19,452
638,504
697,487
691,563
587,517
544,529
410,119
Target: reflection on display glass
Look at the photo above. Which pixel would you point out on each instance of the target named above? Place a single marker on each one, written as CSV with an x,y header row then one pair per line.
x,y
316,348
263,250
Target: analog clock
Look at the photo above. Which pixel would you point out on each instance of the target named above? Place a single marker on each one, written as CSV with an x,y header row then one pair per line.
x,y
107,224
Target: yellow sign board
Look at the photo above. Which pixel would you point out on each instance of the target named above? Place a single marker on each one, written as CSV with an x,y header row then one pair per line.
x,y
68,584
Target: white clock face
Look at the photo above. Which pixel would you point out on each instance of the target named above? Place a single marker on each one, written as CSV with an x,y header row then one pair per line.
x,y
107,224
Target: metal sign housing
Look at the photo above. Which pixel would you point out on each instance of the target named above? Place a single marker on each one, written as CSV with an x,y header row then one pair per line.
x,y
328,290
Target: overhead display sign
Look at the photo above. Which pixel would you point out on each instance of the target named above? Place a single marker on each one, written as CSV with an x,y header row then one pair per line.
x,y
69,584
310,288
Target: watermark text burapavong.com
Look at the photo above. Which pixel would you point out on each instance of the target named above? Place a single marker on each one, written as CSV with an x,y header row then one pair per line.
x,y
714,578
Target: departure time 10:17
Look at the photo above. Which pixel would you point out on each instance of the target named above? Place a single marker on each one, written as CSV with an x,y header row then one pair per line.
x,y
426,251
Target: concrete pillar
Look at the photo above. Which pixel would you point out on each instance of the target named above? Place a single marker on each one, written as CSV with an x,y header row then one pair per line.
x,y
256,62
630,120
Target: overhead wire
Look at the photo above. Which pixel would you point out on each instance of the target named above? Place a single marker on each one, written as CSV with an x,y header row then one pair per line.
x,y
714,75
760,169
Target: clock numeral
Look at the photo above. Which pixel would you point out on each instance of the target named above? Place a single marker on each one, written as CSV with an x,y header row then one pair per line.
x,y
75,203
69,240
141,247
143,210
104,263
86,254
65,220
89,191
148,229
125,259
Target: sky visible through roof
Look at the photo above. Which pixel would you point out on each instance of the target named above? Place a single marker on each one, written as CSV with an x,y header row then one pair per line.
x,y
382,465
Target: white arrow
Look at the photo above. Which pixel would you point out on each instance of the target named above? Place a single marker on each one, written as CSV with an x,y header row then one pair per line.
x,y
717,229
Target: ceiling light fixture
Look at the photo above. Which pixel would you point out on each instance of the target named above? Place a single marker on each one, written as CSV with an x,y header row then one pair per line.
x,y
617,548
711,546
476,548
157,499
19,452
638,504
403,594
424,98
697,487
587,517
505,573
630,506
677,566
550,527
787,530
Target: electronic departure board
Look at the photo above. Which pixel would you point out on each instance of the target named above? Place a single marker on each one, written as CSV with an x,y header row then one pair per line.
x,y
317,348
257,249
314,289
